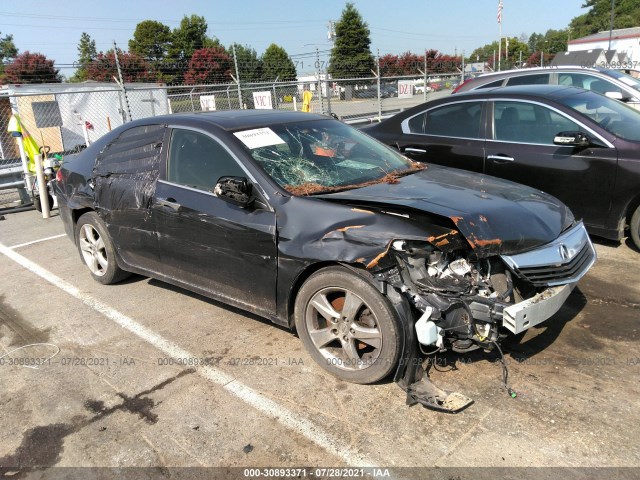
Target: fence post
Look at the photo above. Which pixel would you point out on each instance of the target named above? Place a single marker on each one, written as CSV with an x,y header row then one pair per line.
x,y
379,92
121,82
275,98
237,79
425,76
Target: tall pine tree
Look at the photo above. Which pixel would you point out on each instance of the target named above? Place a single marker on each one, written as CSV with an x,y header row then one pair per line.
x,y
351,56
86,54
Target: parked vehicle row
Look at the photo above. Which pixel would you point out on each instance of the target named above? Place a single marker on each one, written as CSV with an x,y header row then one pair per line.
x,y
580,146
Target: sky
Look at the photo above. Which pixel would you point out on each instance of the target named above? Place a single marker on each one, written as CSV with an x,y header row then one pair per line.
x,y
54,27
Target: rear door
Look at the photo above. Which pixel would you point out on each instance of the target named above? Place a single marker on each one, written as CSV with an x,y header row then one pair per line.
x,y
205,241
521,149
125,177
451,134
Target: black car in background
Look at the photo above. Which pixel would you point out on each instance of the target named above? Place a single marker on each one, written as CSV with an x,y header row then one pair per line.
x,y
577,145
312,224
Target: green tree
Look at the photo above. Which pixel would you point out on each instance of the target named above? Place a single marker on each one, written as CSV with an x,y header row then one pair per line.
x,y
278,64
8,51
86,54
151,40
351,56
249,65
598,18
190,36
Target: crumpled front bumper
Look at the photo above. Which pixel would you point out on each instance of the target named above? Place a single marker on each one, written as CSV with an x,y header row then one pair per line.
x,y
529,313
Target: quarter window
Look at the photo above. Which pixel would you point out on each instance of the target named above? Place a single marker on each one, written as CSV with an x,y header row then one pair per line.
x,y
197,160
461,120
529,123
537,79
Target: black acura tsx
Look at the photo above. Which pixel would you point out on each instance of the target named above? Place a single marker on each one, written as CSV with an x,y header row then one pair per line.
x,y
372,258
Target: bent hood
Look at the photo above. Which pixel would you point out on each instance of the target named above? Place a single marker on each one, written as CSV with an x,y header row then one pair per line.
x,y
495,216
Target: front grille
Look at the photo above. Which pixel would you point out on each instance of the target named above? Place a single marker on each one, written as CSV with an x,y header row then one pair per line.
x,y
565,260
559,273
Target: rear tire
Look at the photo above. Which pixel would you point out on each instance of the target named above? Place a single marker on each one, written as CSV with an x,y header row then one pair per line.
x,y
96,250
635,227
349,328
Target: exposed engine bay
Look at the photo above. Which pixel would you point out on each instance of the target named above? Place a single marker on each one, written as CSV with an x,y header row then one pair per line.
x,y
462,304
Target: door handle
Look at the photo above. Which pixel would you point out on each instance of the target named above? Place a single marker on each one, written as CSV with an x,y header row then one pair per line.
x,y
500,158
414,150
169,202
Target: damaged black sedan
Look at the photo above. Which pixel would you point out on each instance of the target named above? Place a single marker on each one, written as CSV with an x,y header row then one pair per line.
x,y
374,259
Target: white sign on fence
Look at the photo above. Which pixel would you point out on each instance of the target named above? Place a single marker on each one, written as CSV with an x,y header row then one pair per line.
x,y
262,100
207,102
405,88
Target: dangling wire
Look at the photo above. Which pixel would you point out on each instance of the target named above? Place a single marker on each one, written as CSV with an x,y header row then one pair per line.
x,y
505,372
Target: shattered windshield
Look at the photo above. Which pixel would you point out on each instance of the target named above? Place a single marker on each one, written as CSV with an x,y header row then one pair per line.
x,y
322,156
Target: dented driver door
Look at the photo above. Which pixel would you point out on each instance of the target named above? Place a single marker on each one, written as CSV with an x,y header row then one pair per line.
x,y
217,247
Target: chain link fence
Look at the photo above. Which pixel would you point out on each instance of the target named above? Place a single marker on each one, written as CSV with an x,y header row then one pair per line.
x,y
60,119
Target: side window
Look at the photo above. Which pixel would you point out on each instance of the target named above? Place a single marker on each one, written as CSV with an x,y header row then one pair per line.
x,y
523,122
456,120
497,83
197,160
537,79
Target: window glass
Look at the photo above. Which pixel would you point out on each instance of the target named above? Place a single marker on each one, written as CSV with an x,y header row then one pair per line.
x,y
588,82
461,119
197,160
537,79
497,83
529,123
612,115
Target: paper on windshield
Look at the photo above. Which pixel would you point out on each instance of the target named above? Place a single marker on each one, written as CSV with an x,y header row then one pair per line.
x,y
259,137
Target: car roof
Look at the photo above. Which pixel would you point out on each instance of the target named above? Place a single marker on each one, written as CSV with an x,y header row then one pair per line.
x,y
231,119
551,69
551,92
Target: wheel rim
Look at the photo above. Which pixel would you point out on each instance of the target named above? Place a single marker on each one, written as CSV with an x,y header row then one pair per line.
x,y
94,251
343,329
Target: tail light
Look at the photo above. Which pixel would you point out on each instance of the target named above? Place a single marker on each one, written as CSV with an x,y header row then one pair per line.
x,y
59,176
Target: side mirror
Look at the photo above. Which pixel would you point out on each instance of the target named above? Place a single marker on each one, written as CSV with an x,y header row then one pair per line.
x,y
236,190
614,95
575,139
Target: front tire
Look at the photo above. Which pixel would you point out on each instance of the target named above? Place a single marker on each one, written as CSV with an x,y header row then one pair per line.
x,y
96,250
635,228
349,328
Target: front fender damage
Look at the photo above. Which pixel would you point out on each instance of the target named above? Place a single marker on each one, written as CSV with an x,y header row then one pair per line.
x,y
366,243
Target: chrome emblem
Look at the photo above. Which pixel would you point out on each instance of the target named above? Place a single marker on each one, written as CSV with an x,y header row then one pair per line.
x,y
564,251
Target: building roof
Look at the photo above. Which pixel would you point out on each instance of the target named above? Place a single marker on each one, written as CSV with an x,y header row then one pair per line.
x,y
584,58
604,35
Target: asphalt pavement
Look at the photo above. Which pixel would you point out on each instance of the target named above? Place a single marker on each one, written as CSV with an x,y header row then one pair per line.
x,y
144,374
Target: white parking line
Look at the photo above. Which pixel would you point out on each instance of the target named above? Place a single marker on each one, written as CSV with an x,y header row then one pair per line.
x,y
291,420
38,241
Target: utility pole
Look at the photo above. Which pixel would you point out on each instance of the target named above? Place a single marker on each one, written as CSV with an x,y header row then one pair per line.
x,y
611,22
237,79
500,37
319,84
424,92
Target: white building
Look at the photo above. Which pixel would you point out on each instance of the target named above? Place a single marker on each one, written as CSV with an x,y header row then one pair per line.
x,y
625,41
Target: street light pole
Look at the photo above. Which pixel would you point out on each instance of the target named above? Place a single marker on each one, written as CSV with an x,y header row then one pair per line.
x,y
611,22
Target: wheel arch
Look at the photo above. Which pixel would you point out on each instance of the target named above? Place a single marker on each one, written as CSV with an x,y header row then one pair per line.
x,y
313,268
